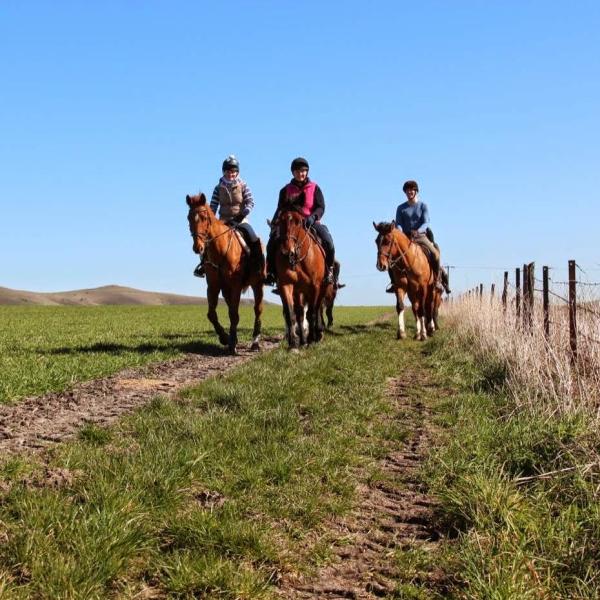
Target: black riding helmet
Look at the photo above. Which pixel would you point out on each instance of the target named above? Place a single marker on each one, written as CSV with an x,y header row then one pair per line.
x,y
231,163
410,185
299,163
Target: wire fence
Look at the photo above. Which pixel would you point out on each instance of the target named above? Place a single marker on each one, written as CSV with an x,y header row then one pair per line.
x,y
558,306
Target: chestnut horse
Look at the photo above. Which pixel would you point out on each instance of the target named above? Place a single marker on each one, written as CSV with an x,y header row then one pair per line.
x,y
329,297
226,270
411,273
300,265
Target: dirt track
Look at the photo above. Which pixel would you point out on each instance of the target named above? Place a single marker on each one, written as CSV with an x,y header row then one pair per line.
x,y
392,514
36,423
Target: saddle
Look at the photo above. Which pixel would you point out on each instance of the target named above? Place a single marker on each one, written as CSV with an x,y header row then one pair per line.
x,y
316,239
242,240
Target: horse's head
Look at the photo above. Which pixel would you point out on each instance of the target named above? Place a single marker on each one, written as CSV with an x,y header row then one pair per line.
x,y
291,231
384,242
200,218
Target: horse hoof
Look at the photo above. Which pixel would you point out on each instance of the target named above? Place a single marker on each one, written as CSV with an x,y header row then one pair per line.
x,y
401,335
255,347
224,340
294,350
233,350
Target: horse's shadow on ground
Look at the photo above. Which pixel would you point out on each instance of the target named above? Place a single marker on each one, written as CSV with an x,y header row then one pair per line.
x,y
355,329
200,348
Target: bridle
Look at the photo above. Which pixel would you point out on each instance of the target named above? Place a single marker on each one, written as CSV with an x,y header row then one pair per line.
x,y
293,256
388,255
207,239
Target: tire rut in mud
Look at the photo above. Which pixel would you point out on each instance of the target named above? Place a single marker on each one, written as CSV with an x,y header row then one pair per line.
x,y
38,422
393,513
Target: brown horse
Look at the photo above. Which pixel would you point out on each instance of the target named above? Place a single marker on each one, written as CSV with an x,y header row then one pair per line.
x,y
411,273
329,297
300,263
226,270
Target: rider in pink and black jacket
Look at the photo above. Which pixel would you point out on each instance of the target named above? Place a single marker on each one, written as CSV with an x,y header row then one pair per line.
x,y
306,197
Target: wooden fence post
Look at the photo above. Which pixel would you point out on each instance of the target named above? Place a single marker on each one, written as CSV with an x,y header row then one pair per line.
x,y
505,291
531,293
525,296
546,303
492,290
572,311
518,294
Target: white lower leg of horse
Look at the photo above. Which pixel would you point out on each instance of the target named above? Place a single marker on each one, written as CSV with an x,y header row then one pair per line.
x,y
423,328
305,322
418,324
401,322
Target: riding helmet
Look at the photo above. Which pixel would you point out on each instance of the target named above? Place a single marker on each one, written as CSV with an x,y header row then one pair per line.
x,y
299,163
231,163
410,185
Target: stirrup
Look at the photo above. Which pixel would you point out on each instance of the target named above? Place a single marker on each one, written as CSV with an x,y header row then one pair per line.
x,y
329,277
339,286
276,291
199,271
390,289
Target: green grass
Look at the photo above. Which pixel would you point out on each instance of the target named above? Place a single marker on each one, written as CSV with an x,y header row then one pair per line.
x,y
516,538
47,348
212,495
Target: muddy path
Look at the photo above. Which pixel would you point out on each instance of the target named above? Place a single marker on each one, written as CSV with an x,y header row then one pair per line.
x,y
38,422
393,514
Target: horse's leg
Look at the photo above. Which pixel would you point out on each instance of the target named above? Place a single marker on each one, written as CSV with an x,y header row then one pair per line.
x,y
401,333
300,311
212,297
429,310
289,315
233,303
329,312
257,289
319,324
436,309
416,308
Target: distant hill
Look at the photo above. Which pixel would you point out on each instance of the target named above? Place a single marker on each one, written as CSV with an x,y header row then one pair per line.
x,y
108,294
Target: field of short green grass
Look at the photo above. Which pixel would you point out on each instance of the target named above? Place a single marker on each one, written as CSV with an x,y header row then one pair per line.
x,y
48,348
213,494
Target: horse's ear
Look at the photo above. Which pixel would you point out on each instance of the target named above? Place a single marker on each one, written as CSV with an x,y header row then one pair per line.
x,y
188,200
393,224
202,199
375,226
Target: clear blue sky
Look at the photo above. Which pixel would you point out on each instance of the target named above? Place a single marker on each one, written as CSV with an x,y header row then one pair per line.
x,y
110,112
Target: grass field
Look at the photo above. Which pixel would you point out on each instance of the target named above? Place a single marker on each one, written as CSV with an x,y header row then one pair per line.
x,y
212,495
48,348
218,492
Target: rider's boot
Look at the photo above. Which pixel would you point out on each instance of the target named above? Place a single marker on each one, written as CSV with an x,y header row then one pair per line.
x,y
391,288
445,282
329,276
336,275
199,270
258,258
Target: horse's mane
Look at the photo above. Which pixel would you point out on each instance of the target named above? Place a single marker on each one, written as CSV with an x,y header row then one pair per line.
x,y
385,227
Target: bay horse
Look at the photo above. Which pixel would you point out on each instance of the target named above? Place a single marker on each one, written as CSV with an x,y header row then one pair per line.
x,y
329,297
412,274
300,263
226,270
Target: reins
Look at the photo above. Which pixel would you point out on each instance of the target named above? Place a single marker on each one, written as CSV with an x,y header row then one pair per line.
x,y
209,239
402,256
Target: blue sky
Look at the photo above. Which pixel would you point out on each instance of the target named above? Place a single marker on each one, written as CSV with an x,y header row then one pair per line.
x,y
110,112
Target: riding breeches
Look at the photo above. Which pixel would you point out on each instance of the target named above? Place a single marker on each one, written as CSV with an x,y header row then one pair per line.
x,y
247,231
